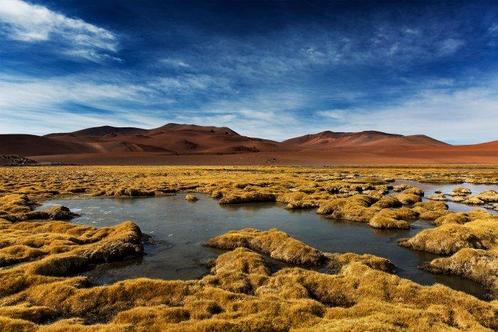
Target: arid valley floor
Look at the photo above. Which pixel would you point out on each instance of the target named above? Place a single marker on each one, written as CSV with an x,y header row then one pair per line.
x,y
43,253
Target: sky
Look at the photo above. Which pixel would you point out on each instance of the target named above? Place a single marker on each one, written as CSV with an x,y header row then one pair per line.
x,y
271,69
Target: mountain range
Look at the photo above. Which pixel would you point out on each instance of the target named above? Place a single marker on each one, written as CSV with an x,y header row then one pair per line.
x,y
193,144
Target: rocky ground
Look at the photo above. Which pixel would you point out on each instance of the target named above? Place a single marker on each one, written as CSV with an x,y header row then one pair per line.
x,y
41,253
15,160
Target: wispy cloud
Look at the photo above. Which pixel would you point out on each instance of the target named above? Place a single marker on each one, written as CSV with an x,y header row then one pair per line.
x,y
462,115
493,29
386,70
175,63
189,83
268,114
34,105
440,108
305,49
449,46
40,106
26,22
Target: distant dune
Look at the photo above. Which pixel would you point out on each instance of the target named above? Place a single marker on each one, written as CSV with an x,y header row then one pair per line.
x,y
193,144
328,139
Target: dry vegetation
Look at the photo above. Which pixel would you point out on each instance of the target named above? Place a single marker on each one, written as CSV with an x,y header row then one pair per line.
x,y
41,254
472,245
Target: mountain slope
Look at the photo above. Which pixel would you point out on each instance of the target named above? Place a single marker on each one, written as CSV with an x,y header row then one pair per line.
x,y
100,132
171,138
31,145
330,140
193,144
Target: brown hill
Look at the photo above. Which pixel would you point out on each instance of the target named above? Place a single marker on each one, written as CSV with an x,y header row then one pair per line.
x,y
170,139
31,145
488,146
100,132
186,139
193,144
327,140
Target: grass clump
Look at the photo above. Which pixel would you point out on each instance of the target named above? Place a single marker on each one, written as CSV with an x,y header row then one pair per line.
x,y
389,219
475,264
473,248
41,259
191,198
449,238
430,210
354,208
462,217
273,243
241,293
15,204
247,197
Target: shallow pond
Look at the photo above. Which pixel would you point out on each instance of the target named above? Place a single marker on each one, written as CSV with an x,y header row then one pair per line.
x,y
180,228
431,188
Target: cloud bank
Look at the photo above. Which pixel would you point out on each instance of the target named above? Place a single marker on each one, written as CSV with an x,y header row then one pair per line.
x,y
25,22
275,72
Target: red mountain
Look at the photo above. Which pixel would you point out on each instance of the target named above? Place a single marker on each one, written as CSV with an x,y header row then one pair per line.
x,y
31,145
328,140
171,138
193,144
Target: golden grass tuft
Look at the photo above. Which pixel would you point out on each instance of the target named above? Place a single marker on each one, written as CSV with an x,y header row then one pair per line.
x,y
247,197
354,208
191,198
473,248
475,264
462,217
15,204
41,290
273,243
449,238
392,219
430,210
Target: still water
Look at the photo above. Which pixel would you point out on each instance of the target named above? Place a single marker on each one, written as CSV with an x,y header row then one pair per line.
x,y
431,188
180,228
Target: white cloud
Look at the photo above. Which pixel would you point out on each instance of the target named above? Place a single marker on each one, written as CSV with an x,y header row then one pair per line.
x,y
304,48
466,115
450,46
186,84
270,114
39,106
334,114
175,63
23,21
493,29
440,109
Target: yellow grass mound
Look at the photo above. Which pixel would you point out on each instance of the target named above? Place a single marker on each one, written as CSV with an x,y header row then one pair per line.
x,y
473,248
274,243
40,260
240,294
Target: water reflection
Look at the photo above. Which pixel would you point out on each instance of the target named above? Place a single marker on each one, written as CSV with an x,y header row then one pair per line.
x,y
431,188
179,229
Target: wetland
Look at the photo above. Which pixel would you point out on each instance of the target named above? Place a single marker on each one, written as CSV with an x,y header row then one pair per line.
x,y
248,248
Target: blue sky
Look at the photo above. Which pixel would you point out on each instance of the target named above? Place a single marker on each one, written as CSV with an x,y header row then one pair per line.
x,y
269,69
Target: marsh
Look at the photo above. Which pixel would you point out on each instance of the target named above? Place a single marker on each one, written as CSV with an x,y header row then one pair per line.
x,y
180,229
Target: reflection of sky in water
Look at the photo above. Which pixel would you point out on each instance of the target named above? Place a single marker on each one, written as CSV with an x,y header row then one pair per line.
x,y
431,188
180,228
